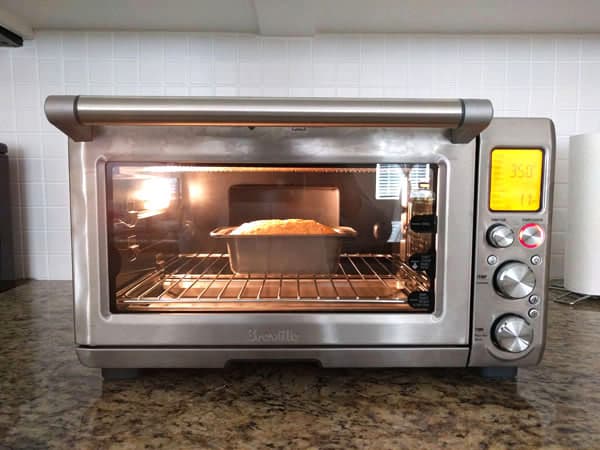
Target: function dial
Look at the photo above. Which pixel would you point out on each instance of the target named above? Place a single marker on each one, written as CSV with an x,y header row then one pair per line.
x,y
514,279
500,236
512,334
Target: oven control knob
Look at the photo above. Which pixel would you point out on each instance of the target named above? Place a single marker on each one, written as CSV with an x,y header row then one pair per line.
x,y
500,236
531,235
514,280
512,334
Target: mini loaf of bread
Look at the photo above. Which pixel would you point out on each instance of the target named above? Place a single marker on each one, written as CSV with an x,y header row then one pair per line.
x,y
283,226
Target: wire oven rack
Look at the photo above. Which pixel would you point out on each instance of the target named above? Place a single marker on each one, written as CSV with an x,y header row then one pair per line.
x,y
206,280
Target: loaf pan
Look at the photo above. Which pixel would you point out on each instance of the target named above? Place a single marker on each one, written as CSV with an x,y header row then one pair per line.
x,y
284,253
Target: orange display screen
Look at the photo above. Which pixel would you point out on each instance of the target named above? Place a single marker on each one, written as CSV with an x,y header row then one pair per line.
x,y
516,179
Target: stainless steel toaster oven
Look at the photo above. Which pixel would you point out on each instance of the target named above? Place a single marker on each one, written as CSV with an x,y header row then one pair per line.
x,y
370,233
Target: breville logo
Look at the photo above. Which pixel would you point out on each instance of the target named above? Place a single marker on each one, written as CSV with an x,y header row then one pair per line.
x,y
284,335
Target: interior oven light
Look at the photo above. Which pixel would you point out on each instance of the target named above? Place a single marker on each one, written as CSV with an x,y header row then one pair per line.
x,y
155,195
195,192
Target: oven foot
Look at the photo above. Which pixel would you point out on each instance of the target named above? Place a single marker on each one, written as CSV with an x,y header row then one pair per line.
x,y
120,374
498,373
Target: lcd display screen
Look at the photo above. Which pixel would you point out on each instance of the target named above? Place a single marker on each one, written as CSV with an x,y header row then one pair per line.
x,y
516,179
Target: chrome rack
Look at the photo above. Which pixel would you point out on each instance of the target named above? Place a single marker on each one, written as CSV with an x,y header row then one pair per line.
x,y
566,298
207,277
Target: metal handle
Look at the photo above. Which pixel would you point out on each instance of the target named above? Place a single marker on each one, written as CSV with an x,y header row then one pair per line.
x,y
76,115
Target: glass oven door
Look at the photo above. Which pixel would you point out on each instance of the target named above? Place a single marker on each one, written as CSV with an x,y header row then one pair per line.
x,y
271,238
369,242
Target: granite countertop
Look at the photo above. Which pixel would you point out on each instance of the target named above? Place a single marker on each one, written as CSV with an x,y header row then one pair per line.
x,y
48,400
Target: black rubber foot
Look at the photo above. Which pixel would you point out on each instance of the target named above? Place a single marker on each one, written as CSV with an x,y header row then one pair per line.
x,y
120,374
498,373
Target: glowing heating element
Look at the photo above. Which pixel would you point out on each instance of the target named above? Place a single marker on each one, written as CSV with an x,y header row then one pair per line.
x,y
516,179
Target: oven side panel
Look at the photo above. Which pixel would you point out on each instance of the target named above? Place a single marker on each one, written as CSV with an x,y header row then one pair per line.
x,y
89,284
488,305
448,325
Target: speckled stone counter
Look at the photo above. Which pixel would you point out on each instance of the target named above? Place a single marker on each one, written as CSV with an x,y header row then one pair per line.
x,y
48,400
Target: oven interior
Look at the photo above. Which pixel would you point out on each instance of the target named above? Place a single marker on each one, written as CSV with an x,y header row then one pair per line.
x,y
168,251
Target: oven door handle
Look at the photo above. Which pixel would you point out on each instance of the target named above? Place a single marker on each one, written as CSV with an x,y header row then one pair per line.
x,y
77,115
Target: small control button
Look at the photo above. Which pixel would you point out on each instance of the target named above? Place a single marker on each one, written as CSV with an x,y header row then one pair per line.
x,y
534,299
533,313
531,235
536,260
492,259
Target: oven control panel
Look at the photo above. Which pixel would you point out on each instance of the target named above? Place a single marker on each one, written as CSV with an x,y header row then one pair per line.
x,y
514,204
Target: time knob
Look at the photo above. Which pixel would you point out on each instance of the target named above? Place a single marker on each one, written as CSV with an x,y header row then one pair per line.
x,y
514,279
500,236
512,334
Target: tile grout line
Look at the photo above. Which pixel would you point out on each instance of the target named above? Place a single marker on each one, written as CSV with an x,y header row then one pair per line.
x,y
579,78
17,184
43,169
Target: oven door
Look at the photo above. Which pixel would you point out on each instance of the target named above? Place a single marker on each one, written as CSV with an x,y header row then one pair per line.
x,y
113,306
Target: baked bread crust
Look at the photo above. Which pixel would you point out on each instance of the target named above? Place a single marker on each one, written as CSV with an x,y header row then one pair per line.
x,y
283,226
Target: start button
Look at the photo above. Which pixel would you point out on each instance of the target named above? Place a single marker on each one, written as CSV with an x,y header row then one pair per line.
x,y
531,235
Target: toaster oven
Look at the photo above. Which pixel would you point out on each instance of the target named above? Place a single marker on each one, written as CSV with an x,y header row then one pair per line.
x,y
354,233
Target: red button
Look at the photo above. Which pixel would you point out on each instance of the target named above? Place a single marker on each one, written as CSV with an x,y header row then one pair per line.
x,y
531,235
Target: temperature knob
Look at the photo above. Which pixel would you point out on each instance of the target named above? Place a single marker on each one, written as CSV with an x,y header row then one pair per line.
x,y
500,236
512,334
514,280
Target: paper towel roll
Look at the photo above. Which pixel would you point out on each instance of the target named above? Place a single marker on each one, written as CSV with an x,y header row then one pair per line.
x,y
582,252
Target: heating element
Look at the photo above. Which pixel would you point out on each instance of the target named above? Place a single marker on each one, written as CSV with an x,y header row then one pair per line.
x,y
205,281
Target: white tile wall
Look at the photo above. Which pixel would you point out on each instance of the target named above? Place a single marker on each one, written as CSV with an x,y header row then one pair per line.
x,y
524,75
